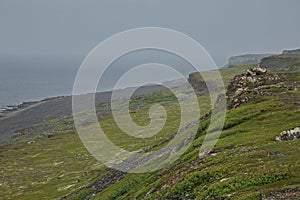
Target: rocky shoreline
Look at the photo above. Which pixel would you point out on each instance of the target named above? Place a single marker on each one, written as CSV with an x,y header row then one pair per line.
x,y
29,114
10,109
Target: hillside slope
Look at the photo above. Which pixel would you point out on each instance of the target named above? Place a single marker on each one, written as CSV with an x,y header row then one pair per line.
x,y
48,161
289,60
246,163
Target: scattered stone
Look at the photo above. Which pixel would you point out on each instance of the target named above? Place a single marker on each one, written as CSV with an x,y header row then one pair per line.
x,y
291,134
276,153
224,179
249,83
256,71
58,163
18,133
203,154
31,141
48,135
150,192
291,194
98,186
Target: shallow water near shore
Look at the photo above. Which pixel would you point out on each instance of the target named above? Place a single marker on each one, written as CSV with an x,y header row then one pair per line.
x,y
27,78
19,84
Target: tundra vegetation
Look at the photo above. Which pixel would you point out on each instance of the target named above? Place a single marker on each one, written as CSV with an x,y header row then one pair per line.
x,y
48,161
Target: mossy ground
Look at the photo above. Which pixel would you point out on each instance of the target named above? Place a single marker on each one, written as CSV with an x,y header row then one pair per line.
x,y
51,167
245,163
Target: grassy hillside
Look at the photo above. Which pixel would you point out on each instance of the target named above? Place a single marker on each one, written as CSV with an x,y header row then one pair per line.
x,y
48,161
246,163
284,62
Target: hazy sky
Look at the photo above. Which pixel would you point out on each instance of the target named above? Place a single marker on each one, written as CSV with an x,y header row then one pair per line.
x,y
223,27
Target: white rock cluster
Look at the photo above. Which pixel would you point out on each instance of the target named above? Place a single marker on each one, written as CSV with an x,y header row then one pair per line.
x,y
292,134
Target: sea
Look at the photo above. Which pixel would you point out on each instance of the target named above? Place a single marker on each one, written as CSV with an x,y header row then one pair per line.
x,y
34,78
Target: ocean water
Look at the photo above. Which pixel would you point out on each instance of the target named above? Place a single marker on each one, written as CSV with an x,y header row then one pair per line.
x,y
24,84
34,78
26,79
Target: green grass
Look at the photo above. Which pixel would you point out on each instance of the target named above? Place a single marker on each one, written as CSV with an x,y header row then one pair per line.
x,y
46,169
282,62
82,194
245,163
52,167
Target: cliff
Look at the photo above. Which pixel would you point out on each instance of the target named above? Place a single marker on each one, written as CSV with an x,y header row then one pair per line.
x,y
246,59
291,52
289,60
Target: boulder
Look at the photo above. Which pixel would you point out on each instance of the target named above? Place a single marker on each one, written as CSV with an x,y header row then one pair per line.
x,y
291,134
256,71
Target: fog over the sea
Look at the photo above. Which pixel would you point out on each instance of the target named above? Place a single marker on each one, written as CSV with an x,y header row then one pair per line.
x,y
74,27
43,43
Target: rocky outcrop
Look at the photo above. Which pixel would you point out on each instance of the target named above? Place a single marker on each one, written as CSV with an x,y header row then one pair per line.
x,y
256,71
291,134
242,86
257,82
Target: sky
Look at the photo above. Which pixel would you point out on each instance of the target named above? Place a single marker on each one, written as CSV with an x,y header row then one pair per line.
x,y
72,28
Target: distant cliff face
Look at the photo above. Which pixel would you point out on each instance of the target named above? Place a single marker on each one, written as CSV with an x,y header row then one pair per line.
x,y
291,52
246,59
288,60
278,62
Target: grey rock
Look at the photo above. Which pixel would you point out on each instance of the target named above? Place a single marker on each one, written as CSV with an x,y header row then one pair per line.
x,y
291,134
